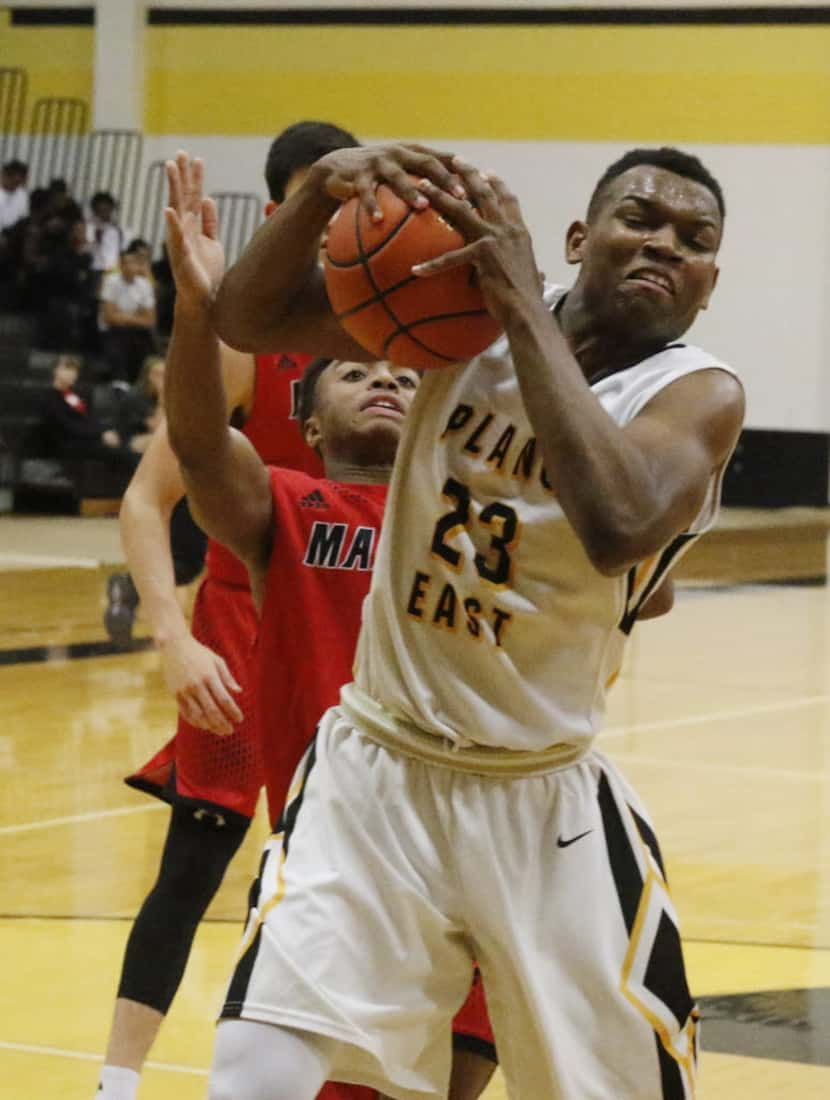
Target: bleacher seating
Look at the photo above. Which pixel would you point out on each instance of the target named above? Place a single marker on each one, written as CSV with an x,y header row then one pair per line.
x,y
39,482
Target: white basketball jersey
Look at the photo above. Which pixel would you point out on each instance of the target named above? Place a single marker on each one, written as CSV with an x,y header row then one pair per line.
x,y
486,623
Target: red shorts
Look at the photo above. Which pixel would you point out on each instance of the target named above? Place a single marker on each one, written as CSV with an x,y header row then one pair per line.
x,y
471,1028
202,768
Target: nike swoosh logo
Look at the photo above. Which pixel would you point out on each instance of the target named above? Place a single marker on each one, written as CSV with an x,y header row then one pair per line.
x,y
560,843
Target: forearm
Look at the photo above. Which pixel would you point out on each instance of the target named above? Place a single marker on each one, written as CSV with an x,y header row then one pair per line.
x,y
256,294
603,480
194,394
145,536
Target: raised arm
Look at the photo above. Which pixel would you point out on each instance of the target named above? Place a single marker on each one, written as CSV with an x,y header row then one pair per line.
x,y
274,297
227,484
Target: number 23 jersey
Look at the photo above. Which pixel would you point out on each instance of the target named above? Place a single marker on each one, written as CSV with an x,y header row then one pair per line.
x,y
486,623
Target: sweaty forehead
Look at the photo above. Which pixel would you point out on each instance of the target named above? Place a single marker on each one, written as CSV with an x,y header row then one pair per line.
x,y
659,185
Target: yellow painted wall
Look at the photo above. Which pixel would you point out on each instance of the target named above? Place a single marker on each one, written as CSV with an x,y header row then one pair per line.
x,y
715,84
684,84
59,60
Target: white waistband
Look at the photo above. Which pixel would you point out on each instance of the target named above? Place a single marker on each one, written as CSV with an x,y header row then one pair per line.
x,y
368,716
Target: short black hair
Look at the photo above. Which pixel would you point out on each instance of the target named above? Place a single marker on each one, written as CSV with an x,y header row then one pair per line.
x,y
308,388
673,160
16,167
299,146
103,196
135,246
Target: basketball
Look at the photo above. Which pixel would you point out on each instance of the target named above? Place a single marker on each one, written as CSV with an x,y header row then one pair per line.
x,y
424,323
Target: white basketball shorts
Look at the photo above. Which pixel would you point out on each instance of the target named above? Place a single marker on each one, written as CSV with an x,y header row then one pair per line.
x,y
388,876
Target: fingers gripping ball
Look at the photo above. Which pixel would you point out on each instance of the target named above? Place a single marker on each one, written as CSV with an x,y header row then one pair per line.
x,y
415,322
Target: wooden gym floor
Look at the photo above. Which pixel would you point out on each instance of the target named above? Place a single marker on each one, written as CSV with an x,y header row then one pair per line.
x,y
722,721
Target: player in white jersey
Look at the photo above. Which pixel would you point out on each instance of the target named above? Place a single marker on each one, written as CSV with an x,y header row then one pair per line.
x,y
452,807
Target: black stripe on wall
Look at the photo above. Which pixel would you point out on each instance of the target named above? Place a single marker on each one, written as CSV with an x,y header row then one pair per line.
x,y
53,17
437,16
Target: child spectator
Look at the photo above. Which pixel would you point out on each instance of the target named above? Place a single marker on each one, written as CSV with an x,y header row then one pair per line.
x,y
14,198
127,318
69,428
143,407
103,233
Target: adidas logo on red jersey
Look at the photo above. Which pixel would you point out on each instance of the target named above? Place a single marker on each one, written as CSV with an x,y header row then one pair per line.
x,y
314,499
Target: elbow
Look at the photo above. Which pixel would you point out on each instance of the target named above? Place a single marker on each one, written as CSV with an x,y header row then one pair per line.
x,y
230,320
609,559
613,548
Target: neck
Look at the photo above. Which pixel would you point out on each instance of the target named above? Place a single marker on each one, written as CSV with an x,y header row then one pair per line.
x,y
599,345
342,470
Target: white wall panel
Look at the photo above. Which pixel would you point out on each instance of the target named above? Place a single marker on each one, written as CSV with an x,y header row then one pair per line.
x,y
769,316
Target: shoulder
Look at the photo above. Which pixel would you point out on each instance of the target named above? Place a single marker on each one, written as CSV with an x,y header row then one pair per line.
x,y
706,402
689,358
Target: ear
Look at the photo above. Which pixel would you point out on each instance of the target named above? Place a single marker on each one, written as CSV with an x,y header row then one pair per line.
x,y
270,207
575,240
711,289
312,433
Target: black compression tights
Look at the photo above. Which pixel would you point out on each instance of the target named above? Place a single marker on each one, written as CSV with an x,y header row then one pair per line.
x,y
196,855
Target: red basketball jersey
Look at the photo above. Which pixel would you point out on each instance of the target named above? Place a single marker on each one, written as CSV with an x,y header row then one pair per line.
x,y
318,576
274,430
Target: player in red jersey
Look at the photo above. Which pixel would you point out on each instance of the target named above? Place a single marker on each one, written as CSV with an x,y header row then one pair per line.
x,y
211,782
308,543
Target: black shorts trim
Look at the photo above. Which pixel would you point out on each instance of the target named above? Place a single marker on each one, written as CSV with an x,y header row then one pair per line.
x,y
475,1045
220,814
238,988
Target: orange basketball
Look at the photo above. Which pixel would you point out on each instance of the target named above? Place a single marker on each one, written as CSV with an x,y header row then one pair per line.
x,y
414,322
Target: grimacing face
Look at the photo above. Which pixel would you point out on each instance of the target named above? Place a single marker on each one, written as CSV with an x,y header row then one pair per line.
x,y
648,253
359,410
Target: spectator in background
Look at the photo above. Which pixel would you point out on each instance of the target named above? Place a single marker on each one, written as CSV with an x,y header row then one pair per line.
x,y
127,318
14,198
17,246
140,248
62,283
103,233
165,288
14,210
69,428
143,407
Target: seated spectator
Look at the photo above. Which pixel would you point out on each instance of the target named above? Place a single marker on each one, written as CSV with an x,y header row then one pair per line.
x,y
14,198
140,248
165,288
127,318
61,282
69,429
103,233
14,210
143,407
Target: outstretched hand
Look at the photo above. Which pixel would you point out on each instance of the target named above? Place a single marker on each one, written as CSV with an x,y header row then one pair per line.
x,y
196,255
498,241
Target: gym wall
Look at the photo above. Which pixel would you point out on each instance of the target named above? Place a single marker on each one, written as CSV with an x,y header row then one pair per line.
x,y
545,96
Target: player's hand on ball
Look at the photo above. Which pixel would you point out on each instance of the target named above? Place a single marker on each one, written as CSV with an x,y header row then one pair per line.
x,y
196,255
202,684
347,173
499,244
